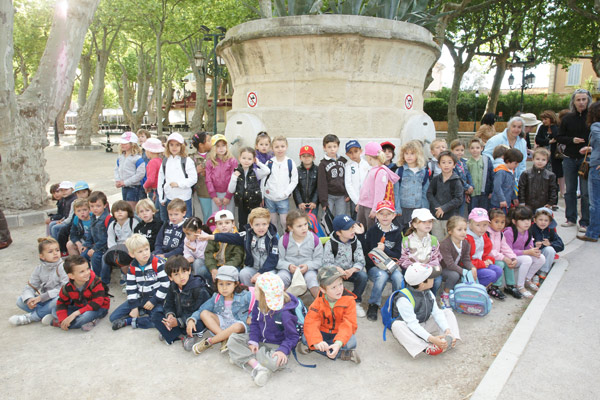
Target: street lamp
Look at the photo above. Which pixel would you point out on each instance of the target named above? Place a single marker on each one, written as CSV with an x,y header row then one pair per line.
x,y
475,118
215,37
528,80
184,94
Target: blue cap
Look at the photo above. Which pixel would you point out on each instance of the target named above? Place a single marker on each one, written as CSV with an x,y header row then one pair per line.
x,y
351,144
343,223
80,185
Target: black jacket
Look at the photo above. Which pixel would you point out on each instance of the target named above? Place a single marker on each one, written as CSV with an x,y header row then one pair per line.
x,y
448,195
550,234
150,230
183,303
538,188
63,207
247,189
571,126
306,190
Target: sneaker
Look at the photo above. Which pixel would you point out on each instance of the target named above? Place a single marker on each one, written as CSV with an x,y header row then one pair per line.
x,y
567,224
360,312
525,293
495,292
582,229
224,348
513,291
445,299
260,375
22,319
202,345
302,348
542,277
119,323
433,350
536,280
372,312
350,355
449,339
189,342
47,320
554,208
124,290
161,338
531,286
90,325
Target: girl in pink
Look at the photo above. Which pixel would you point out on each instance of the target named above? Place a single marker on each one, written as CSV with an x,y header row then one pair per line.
x,y
219,168
375,187
503,254
154,151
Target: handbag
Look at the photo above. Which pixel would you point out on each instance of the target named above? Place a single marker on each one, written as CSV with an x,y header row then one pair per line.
x,y
298,285
584,168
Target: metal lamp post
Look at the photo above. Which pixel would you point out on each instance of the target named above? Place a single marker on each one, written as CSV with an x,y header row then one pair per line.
x,y
185,95
527,81
215,37
475,118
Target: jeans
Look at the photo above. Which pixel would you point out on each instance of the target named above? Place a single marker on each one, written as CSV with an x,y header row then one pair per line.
x,y
570,168
509,275
206,205
379,278
360,279
593,230
277,207
171,335
40,310
549,254
481,201
144,321
336,204
84,318
200,269
55,229
95,260
329,338
132,193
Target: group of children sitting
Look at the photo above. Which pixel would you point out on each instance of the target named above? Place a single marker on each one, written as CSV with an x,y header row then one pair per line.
x,y
184,277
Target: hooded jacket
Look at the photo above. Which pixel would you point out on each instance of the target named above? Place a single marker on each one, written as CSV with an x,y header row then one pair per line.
x,y
277,327
479,263
45,281
448,195
504,186
330,179
245,239
339,320
500,249
550,234
537,187
182,303
92,298
375,185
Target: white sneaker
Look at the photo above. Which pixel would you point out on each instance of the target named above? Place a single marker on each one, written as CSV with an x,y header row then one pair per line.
x,y
360,312
261,375
582,229
22,319
47,320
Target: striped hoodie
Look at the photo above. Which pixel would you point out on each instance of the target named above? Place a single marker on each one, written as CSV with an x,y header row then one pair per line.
x,y
146,284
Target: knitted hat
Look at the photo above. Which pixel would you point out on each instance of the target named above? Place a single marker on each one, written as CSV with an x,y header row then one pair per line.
x,y
272,287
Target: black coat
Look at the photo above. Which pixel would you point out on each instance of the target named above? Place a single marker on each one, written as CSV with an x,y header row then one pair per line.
x,y
183,303
571,126
306,190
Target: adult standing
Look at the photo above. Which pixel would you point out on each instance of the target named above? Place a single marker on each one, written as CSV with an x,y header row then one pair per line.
x,y
593,229
531,124
486,128
546,137
574,133
512,137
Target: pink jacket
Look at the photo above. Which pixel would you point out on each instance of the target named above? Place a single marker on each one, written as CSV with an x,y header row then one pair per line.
x,y
500,249
374,186
152,170
218,177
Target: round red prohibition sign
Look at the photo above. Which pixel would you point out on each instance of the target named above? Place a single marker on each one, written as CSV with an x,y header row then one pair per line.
x,y
408,101
252,99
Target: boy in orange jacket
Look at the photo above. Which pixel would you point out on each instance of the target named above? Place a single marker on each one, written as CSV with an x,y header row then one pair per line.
x,y
330,324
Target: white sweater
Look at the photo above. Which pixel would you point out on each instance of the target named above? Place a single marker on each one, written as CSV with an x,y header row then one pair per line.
x,y
354,178
174,173
279,186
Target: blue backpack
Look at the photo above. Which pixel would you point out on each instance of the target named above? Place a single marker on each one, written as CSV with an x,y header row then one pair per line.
x,y
389,312
139,162
470,297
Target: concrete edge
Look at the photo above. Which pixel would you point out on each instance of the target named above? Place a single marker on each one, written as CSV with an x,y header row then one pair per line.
x,y
499,372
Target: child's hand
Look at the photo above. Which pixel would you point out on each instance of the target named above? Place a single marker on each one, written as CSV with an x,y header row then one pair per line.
x,y
439,341
205,236
322,346
200,169
255,277
381,246
303,268
488,262
470,190
372,214
170,322
359,229
292,268
80,247
538,244
226,201
31,303
546,242
302,206
214,274
174,184
503,204
90,253
64,325
515,202
341,271
474,273
281,358
217,201
148,306
312,206
119,184
134,313
190,327
467,198
439,213
347,199
333,350
350,271
48,220
253,348
236,174
356,208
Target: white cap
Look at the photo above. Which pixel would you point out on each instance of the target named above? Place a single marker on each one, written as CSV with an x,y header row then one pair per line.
x,y
224,215
66,185
128,137
176,136
418,273
422,214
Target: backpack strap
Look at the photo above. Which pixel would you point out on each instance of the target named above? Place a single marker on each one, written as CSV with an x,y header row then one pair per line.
x,y
107,221
155,264
269,165
400,172
426,176
285,240
252,299
434,240
335,248
289,163
316,239
183,161
131,269
408,295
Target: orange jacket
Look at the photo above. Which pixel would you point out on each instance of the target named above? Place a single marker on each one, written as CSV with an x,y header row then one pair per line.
x,y
320,318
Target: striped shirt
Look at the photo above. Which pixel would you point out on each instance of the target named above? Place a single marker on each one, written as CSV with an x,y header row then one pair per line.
x,y
146,284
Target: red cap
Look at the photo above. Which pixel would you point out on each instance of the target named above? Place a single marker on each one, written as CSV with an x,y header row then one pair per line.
x,y
385,205
307,150
388,144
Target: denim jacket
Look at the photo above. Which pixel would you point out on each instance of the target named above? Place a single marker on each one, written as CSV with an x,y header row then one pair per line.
x,y
409,191
239,307
97,235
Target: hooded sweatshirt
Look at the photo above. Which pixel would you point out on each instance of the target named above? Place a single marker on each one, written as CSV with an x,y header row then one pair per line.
x,y
45,281
375,186
277,327
331,179
448,195
504,186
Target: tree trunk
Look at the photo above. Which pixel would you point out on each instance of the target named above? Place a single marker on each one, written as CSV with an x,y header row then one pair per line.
x,y
24,119
167,100
60,119
158,87
494,94
265,8
152,109
84,83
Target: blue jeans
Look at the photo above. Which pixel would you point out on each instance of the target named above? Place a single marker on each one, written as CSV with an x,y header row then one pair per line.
x,y
329,338
379,278
480,201
206,205
40,310
593,230
570,168
360,280
277,207
144,321
171,335
95,261
132,193
84,318
199,268
164,215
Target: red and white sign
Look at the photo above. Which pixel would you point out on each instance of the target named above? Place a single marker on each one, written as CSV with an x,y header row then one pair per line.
x,y
408,101
252,99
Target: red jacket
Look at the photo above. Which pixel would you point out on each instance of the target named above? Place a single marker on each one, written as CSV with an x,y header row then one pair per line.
x,y
92,298
487,248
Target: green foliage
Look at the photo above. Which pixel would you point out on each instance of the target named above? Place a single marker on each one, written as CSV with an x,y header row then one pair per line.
x,y
111,98
436,108
283,8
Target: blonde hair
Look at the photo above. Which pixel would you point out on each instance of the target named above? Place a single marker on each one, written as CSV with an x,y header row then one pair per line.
x,y
145,204
542,150
46,241
182,150
413,146
177,204
381,157
135,242
259,212
436,141
279,139
212,154
135,149
79,203
262,301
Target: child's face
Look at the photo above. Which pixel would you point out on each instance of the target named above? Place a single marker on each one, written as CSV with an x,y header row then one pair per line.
x,y
65,192
189,235
446,164
385,217
522,224
542,221
83,213
80,274
511,165
279,148
307,160
423,226
146,214
57,195
335,290
226,288
331,149
479,228
428,284
204,147
142,139
354,154
180,277
389,154
121,215
459,233
410,157
475,150
540,161
50,253
263,145
498,223
125,147
260,226
346,235
141,254
438,148
459,151
175,216
97,208
220,148
246,160
300,227
174,147
83,194
224,225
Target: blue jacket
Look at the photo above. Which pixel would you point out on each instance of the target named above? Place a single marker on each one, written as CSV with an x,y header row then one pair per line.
x,y
276,328
504,187
183,303
411,190
502,138
245,237
550,234
463,173
239,307
97,235
77,231
169,240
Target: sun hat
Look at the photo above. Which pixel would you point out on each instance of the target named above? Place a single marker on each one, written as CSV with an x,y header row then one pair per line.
x,y
216,138
272,287
176,136
80,185
478,215
153,145
228,273
530,119
422,214
128,137
372,149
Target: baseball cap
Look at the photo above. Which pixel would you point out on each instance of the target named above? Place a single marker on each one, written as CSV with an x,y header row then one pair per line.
x,y
228,273
128,137
224,214
216,138
176,136
80,185
342,223
385,205
351,144
307,150
153,145
478,215
327,275
422,214
417,273
66,185
389,144
372,149
272,287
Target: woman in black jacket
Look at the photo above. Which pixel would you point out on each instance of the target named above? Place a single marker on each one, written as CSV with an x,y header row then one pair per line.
x,y
546,137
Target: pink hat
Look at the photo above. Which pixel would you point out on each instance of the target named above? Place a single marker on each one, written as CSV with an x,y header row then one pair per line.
x,y
176,136
272,287
478,215
153,145
372,149
129,137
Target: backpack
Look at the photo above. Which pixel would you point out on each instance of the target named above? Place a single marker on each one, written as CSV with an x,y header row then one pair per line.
x,y
270,165
335,247
313,224
515,233
154,266
285,240
164,167
389,312
400,172
249,195
139,162
470,297
252,299
300,312
327,221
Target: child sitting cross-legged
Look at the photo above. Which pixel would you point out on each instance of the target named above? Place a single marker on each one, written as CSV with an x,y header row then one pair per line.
x,y
419,315
80,226
193,249
226,312
217,254
321,332
502,253
185,295
147,285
